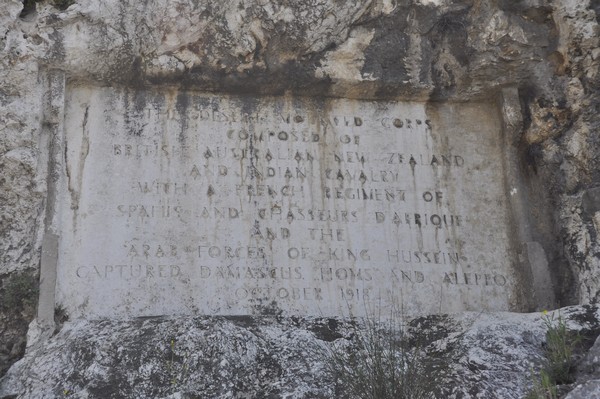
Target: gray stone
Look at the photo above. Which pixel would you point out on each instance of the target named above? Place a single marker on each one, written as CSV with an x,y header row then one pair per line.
x,y
588,390
539,60
476,355
590,202
588,374
542,278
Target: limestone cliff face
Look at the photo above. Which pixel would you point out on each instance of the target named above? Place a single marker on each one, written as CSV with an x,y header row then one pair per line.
x,y
546,53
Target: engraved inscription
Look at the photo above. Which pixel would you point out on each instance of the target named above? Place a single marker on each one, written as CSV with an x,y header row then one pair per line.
x,y
192,203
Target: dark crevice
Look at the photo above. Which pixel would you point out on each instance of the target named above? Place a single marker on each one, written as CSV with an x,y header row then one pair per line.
x,y
29,6
595,6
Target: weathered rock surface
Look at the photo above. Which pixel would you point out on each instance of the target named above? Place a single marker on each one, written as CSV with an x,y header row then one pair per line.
x,y
477,355
547,51
18,299
588,386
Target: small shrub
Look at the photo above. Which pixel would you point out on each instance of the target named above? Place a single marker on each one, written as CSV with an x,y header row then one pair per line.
x,y
558,366
381,364
560,344
177,366
543,387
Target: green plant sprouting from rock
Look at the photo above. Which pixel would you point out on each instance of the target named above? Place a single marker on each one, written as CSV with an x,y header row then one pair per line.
x,y
560,345
177,367
543,387
558,364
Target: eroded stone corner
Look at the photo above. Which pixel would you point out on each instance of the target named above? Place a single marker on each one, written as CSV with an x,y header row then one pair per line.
x,y
536,290
51,165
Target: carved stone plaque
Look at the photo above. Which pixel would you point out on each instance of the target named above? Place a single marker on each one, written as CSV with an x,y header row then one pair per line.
x,y
189,203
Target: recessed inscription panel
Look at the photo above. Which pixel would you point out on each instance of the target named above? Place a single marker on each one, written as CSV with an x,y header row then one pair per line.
x,y
188,203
